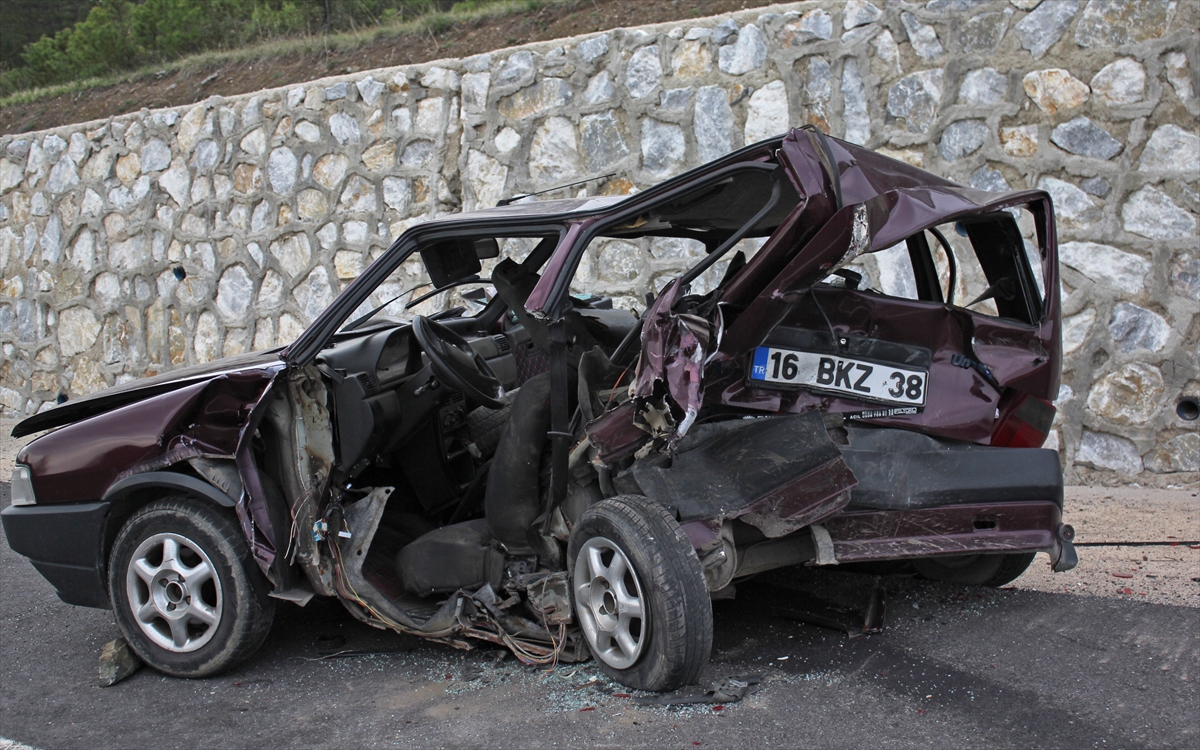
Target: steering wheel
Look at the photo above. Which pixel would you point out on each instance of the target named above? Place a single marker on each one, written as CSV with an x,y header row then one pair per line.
x,y
455,363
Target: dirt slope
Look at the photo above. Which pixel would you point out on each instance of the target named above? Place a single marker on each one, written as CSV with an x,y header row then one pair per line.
x,y
194,84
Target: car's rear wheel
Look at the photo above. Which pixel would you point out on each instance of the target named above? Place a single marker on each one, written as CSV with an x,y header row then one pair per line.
x,y
185,591
975,570
639,594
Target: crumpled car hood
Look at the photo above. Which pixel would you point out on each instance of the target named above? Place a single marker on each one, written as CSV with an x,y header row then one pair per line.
x,y
137,390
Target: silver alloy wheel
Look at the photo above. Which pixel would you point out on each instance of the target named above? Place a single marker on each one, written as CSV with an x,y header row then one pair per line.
x,y
174,592
611,610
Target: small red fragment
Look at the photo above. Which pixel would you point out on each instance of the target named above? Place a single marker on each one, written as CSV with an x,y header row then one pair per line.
x,y
1127,591
1122,575
449,677
920,710
1174,544
589,708
697,744
1141,593
622,695
1196,546
718,708
237,684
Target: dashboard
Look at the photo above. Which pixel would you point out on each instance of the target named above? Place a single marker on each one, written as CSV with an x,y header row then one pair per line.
x,y
384,390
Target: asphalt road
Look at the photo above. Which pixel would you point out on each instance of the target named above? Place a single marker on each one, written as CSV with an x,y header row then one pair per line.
x,y
956,667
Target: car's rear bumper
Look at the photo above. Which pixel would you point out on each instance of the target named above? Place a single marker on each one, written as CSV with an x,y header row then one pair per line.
x,y
899,470
64,543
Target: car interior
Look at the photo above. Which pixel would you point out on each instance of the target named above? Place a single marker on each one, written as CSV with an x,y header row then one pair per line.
x,y
470,459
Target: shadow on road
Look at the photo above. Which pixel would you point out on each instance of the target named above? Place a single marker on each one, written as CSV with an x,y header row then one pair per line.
x,y
956,666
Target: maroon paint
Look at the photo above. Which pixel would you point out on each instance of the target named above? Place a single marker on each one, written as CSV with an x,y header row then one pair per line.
x,y
252,510
813,185
778,298
540,298
674,348
948,530
960,404
79,462
702,533
807,499
615,434
82,407
218,415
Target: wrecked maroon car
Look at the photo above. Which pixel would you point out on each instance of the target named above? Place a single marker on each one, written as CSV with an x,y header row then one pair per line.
x,y
859,366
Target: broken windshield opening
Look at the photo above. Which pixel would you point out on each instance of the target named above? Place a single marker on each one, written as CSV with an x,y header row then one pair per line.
x,y
390,301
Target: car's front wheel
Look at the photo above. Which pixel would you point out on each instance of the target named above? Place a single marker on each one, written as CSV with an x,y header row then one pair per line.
x,y
186,593
975,570
639,594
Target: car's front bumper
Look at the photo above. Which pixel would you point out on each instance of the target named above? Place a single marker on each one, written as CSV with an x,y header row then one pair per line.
x,y
64,543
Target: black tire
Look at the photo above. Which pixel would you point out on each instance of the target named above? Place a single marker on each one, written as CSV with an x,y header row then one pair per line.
x,y
975,570
675,634
233,596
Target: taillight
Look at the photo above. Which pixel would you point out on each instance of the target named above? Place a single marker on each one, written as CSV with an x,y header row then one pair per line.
x,y
1024,421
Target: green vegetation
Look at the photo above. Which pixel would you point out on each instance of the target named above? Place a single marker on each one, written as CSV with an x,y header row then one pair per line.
x,y
119,35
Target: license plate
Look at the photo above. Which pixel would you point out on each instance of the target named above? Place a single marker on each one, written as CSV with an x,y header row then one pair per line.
x,y
828,372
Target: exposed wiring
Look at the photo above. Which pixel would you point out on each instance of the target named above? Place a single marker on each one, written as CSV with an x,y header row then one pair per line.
x,y
613,392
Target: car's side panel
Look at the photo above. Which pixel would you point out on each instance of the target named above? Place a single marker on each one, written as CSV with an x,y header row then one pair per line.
x,y
81,461
90,475
168,480
951,530
961,403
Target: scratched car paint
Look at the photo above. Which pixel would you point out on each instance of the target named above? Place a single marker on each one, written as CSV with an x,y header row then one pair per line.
x,y
463,449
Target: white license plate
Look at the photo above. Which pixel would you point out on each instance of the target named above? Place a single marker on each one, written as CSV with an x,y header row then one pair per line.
x,y
828,372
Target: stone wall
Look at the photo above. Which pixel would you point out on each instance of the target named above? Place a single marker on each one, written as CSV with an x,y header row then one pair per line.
x,y
148,241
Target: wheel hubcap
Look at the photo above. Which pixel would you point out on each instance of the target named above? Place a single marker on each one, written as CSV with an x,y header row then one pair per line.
x,y
611,609
174,592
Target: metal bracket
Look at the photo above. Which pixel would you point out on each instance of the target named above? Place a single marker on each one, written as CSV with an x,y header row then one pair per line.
x,y
824,544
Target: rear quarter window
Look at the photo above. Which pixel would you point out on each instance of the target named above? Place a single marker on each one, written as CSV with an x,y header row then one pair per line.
x,y
989,264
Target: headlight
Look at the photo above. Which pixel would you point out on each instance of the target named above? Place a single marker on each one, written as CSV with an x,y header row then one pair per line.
x,y
22,486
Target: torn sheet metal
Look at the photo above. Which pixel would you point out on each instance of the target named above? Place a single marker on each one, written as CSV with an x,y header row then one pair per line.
x,y
615,435
481,614
860,238
550,598
253,504
667,389
779,474
951,530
